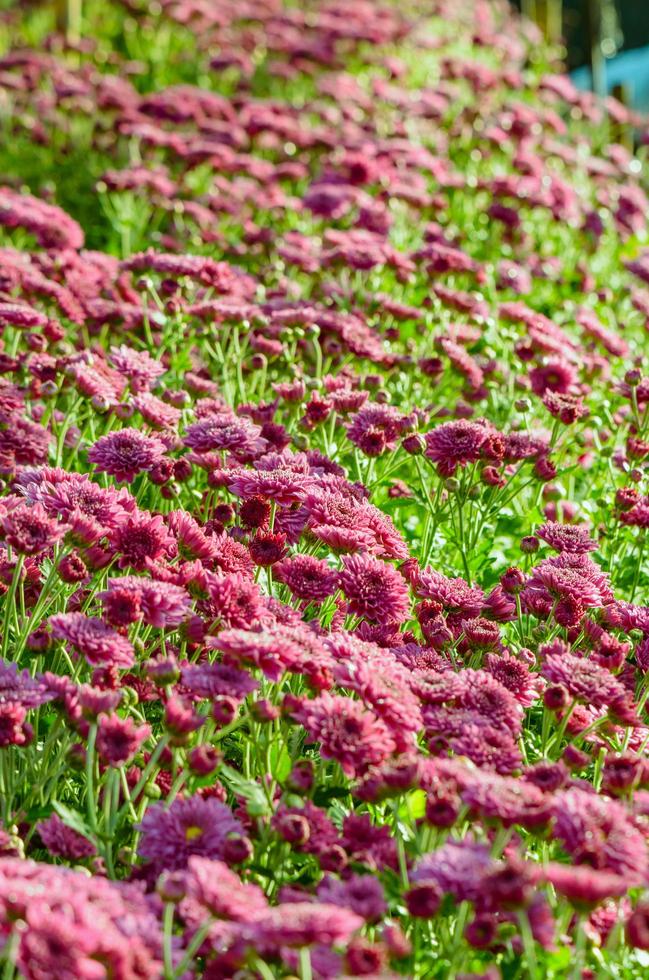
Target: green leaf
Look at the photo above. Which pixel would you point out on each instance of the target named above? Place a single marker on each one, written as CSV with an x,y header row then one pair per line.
x,y
256,802
414,806
73,820
280,761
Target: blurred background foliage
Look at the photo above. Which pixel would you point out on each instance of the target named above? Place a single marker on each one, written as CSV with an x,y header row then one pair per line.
x,y
605,43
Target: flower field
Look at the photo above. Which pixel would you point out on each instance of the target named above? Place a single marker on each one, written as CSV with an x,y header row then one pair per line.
x,y
324,457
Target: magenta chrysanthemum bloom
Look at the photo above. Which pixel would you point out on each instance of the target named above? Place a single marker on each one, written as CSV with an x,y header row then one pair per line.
x,y
226,432
216,680
24,442
98,643
230,555
66,495
482,692
119,739
218,275
29,529
307,577
234,600
140,539
458,443
506,799
557,375
170,836
266,651
374,589
49,224
472,714
371,421
567,408
63,841
584,887
138,366
363,894
191,539
160,604
347,524
71,922
13,729
569,576
158,414
459,868
516,676
584,680
385,686
21,315
347,732
213,886
20,687
468,733
126,453
303,924
283,486
455,595
570,538
598,831
275,651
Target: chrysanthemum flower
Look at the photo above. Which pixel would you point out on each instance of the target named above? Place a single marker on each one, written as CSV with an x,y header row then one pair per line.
x,y
347,524
126,453
141,538
283,486
347,732
362,894
155,412
304,924
98,643
382,419
568,576
29,530
374,589
214,680
599,832
234,599
456,596
66,495
385,686
567,408
307,577
170,836
570,538
62,841
226,432
458,868
20,687
213,887
584,680
557,375
160,604
190,537
139,367
456,444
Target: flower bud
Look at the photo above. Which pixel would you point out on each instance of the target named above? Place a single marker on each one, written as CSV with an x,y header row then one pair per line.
x,y
423,901
529,544
203,760
555,697
172,886
237,849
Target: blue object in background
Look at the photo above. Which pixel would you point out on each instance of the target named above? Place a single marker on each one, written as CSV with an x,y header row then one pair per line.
x,y
630,69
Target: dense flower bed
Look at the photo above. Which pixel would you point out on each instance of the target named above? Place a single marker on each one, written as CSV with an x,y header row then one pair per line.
x,y
323,442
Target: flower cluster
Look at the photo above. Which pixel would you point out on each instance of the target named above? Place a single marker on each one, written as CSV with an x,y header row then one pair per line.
x,y
324,597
